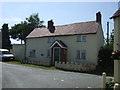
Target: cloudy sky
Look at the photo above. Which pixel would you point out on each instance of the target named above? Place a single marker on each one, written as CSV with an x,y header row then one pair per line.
x,y
61,12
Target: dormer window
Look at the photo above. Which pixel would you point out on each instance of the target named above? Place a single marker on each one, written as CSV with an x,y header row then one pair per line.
x,y
51,39
81,38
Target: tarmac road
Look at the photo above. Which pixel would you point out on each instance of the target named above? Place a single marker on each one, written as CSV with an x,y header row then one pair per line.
x,y
17,76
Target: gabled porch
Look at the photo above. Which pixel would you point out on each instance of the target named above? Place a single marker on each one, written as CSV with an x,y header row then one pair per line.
x,y
58,52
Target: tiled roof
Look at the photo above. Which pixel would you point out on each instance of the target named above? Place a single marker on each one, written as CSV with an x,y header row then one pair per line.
x,y
90,27
116,14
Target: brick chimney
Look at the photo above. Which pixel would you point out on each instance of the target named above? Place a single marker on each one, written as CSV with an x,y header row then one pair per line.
x,y
51,26
98,17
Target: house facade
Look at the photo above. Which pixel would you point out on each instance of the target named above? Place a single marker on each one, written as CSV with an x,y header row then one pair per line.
x,y
77,42
116,18
0,39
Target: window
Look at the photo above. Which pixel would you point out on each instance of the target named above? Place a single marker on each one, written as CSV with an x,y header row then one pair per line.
x,y
5,52
32,53
48,53
81,38
78,54
51,39
81,54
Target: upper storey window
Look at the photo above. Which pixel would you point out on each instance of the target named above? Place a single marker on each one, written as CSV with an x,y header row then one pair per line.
x,y
81,38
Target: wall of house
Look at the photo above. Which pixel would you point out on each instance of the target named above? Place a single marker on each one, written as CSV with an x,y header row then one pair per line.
x,y
117,33
100,37
117,47
19,51
0,39
41,45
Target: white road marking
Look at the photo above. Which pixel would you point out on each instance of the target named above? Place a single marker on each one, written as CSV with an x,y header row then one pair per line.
x,y
76,87
62,80
89,87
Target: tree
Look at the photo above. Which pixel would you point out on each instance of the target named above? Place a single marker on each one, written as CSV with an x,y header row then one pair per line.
x,y
105,62
21,30
111,40
34,21
6,43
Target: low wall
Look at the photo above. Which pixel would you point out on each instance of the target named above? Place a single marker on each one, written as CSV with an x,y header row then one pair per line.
x,y
37,62
19,51
74,66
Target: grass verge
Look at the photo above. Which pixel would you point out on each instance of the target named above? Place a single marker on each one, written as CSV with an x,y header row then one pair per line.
x,y
95,72
31,65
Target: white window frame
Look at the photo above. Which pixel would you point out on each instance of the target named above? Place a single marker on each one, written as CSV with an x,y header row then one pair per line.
x,y
81,38
78,54
81,54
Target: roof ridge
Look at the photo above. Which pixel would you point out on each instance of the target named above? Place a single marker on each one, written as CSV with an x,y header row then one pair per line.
x,y
75,23
68,24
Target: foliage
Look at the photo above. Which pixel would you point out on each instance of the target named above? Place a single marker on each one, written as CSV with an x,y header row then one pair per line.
x,y
110,83
111,40
105,62
6,44
21,30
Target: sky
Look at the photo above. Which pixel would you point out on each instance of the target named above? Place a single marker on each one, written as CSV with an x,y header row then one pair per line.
x,y
60,12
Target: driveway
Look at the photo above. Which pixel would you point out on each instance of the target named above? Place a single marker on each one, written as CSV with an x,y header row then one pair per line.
x,y
17,76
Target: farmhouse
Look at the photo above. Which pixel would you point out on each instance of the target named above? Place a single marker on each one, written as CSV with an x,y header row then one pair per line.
x,y
78,42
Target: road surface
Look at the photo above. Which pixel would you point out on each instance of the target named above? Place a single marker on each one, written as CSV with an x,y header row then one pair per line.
x,y
17,76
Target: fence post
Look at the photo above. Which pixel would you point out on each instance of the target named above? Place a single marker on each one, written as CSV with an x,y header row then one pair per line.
x,y
116,86
103,80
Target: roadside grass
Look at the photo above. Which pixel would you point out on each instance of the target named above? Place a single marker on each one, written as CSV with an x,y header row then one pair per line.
x,y
31,65
94,72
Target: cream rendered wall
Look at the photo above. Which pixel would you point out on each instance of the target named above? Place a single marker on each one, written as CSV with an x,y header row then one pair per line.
x,y
100,37
117,33
41,46
0,39
117,47
73,46
19,51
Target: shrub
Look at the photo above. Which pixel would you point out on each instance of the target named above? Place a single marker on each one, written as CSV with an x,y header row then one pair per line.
x,y
110,83
105,62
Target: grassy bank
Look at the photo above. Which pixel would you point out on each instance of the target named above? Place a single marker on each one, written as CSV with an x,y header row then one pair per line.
x,y
31,65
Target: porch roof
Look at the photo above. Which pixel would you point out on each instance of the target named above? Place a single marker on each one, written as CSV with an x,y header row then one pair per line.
x,y
59,42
